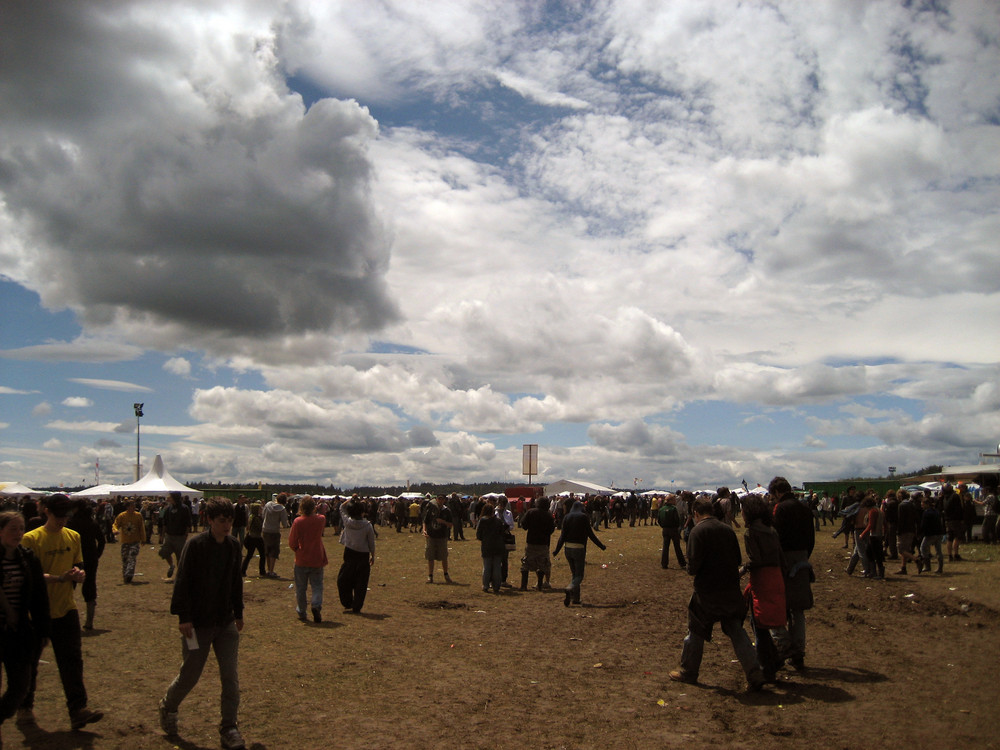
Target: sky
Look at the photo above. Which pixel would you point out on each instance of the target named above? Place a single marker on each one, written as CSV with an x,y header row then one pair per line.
x,y
674,244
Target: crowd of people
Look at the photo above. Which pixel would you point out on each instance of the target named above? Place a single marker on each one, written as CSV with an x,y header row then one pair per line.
x,y
51,548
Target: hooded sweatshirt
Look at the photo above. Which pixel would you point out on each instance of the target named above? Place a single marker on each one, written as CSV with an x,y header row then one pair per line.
x,y
358,533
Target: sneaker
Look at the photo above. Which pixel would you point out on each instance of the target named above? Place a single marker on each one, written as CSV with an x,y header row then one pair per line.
x,y
84,716
568,598
678,676
231,739
430,579
168,719
317,617
25,716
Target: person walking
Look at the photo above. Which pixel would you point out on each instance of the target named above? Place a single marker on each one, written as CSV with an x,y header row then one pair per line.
x,y
92,545
714,560
794,523
254,542
275,519
669,521
306,541
176,519
24,611
131,530
58,549
208,602
576,531
358,538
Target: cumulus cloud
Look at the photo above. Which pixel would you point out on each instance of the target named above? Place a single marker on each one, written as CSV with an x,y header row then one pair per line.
x,y
178,366
233,215
77,402
561,223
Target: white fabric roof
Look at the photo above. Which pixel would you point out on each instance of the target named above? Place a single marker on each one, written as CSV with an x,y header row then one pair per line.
x,y
96,493
576,487
16,488
157,483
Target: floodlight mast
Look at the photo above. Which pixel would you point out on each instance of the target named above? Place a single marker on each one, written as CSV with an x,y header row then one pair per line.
x,y
138,414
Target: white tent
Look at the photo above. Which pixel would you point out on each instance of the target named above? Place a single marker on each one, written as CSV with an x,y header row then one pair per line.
x,y
157,483
100,492
576,487
19,490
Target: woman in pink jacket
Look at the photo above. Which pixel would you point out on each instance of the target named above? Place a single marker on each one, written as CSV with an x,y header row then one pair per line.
x,y
306,541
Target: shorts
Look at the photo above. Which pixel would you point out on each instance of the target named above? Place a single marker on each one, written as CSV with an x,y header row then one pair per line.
x,y
436,549
272,543
905,542
173,544
537,558
955,529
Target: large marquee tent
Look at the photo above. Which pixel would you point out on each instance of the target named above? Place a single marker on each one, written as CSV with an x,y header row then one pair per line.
x,y
157,483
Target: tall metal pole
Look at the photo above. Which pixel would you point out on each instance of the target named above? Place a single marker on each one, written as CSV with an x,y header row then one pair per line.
x,y
138,414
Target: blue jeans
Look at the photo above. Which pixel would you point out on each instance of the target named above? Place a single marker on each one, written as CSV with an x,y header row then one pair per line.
x,y
694,648
314,578
225,641
491,572
577,559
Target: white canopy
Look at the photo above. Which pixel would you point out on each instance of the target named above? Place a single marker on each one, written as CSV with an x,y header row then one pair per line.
x,y
18,489
576,487
157,483
100,492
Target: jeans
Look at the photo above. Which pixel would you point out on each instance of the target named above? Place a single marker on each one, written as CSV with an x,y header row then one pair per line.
x,y
694,648
671,535
860,553
314,578
577,559
491,572
255,544
925,548
65,639
225,641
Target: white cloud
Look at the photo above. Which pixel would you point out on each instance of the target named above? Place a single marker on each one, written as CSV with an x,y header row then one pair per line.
x,y
77,402
510,219
178,366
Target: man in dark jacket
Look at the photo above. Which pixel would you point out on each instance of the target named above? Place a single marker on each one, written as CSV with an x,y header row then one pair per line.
x,y
539,524
669,521
208,602
576,530
794,523
714,560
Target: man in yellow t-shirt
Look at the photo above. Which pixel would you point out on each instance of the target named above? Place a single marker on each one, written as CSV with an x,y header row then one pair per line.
x,y
131,530
59,551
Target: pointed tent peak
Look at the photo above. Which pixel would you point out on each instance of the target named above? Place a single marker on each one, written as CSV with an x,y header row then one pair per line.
x,y
158,469
158,483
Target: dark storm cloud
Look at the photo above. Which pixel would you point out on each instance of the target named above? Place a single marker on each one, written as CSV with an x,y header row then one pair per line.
x,y
196,198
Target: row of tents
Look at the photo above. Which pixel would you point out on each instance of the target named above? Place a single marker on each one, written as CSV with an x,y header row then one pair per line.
x,y
157,483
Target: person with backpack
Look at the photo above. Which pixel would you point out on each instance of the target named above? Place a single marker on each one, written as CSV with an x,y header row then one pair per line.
x,y
669,521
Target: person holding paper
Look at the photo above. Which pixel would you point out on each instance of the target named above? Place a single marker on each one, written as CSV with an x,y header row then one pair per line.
x,y
208,602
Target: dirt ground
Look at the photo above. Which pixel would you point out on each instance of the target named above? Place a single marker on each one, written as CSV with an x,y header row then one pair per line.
x,y
891,664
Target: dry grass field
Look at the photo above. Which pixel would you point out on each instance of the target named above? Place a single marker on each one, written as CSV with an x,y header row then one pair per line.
x,y
896,664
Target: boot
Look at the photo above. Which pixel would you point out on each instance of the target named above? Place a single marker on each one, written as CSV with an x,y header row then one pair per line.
x,y
941,564
541,576
920,565
524,581
89,623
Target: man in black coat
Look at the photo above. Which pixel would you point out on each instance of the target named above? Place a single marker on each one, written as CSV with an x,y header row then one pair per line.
x,y
714,560
794,523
